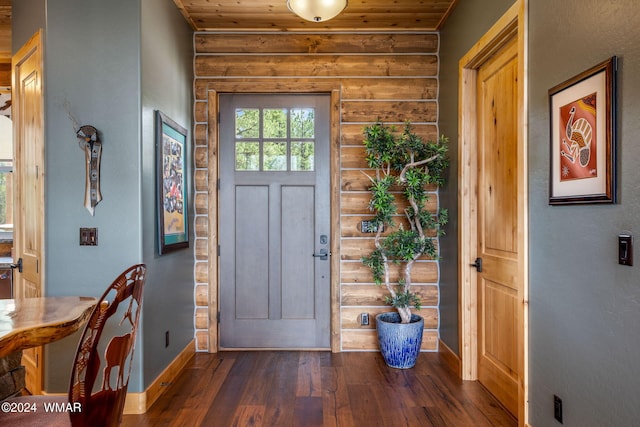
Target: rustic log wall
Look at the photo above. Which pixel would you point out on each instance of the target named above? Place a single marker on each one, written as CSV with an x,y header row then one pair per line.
x,y
390,77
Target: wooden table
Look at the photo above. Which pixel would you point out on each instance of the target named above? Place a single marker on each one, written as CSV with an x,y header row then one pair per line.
x,y
32,322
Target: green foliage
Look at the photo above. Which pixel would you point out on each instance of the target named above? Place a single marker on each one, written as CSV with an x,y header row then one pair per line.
x,y
437,222
415,180
380,145
302,122
376,263
304,152
403,298
403,160
407,245
247,123
382,201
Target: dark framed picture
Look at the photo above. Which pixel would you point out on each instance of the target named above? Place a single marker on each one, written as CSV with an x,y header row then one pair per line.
x,y
583,137
173,227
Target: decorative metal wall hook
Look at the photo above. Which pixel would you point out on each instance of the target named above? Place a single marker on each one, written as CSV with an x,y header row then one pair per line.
x,y
92,147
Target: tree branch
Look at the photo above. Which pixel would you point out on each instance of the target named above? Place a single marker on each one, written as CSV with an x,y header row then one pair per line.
x,y
411,165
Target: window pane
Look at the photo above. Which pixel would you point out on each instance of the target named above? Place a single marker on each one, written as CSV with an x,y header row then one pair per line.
x,y
302,156
247,123
302,122
275,123
247,156
275,156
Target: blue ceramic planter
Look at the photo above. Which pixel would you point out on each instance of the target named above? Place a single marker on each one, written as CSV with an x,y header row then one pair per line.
x,y
399,343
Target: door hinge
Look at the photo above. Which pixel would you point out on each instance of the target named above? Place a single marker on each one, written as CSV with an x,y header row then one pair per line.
x,y
218,317
218,250
218,184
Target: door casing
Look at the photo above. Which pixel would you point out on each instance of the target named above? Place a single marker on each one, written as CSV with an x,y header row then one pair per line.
x,y
511,24
282,87
28,111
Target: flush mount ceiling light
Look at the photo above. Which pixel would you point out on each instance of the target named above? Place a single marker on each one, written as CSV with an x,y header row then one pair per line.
x,y
317,10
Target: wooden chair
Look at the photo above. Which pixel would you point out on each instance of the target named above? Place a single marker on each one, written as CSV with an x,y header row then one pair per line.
x,y
95,398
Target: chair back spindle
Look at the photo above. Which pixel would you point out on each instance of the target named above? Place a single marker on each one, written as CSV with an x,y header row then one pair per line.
x,y
117,313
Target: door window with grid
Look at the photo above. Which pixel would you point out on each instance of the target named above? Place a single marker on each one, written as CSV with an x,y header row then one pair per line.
x,y
274,139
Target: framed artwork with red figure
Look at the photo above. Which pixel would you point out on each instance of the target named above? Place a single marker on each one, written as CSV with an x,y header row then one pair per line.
x,y
583,137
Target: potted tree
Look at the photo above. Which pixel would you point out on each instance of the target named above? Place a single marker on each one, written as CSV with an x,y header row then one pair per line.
x,y
404,165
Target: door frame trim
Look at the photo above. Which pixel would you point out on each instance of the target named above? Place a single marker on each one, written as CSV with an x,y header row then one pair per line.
x,y
282,87
33,48
511,24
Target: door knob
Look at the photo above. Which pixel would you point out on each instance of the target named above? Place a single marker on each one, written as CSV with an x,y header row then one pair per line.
x,y
17,265
477,264
323,255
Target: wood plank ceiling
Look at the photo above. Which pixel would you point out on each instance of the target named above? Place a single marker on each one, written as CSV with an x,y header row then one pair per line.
x,y
359,15
5,30
261,15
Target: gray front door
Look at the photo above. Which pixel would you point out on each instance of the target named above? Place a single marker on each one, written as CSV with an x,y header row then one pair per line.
x,y
274,217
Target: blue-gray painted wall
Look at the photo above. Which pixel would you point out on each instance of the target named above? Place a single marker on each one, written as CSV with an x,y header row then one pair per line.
x,y
584,308
30,16
468,22
167,85
101,67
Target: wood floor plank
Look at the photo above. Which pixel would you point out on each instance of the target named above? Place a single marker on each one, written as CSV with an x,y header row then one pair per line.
x,y
203,392
279,407
249,416
309,383
256,384
222,410
434,418
450,410
307,412
336,404
291,388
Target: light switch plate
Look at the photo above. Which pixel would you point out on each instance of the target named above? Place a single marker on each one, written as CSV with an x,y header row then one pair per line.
x,y
88,237
368,227
625,249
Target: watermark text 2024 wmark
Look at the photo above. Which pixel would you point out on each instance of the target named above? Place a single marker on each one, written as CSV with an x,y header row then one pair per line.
x,y
22,406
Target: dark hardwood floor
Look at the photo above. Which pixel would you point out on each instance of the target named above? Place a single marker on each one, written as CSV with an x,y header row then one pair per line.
x,y
288,388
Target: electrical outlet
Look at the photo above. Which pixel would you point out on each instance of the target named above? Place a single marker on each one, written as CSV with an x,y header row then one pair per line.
x,y
166,339
557,408
364,319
